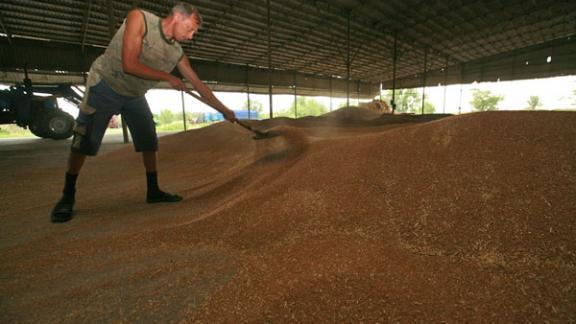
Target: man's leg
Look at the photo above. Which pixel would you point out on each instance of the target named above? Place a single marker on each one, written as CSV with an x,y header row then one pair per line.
x,y
141,123
149,159
63,210
154,194
88,134
75,162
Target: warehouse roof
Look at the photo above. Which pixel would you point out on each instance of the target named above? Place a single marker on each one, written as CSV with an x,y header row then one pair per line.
x,y
475,39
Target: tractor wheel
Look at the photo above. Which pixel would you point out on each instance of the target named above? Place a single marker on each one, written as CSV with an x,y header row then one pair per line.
x,y
39,126
60,125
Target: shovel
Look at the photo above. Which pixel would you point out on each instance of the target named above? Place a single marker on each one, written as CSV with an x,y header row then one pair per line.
x,y
258,135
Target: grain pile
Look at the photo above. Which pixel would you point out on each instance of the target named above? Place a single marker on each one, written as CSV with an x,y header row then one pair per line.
x,y
377,105
347,217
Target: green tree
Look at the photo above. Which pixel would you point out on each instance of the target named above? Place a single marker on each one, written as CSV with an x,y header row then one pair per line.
x,y
534,103
255,105
409,101
304,107
484,100
178,116
166,117
406,100
195,117
429,108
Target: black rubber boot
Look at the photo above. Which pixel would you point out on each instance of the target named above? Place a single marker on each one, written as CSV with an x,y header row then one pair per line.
x,y
64,210
162,197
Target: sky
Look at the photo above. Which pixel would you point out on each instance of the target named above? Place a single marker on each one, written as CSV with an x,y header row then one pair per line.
x,y
554,93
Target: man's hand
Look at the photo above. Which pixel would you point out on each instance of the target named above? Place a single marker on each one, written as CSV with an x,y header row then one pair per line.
x,y
229,115
206,94
176,83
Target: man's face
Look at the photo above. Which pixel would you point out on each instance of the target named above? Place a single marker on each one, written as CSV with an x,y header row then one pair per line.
x,y
185,27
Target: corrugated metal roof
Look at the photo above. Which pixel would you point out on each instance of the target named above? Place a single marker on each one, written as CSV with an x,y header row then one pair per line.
x,y
311,36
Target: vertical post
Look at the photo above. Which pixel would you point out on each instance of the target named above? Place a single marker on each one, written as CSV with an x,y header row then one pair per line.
x,y
461,86
424,78
248,99
460,100
358,93
394,63
295,98
445,84
111,32
269,60
248,93
552,54
330,92
513,72
183,109
85,24
5,29
348,62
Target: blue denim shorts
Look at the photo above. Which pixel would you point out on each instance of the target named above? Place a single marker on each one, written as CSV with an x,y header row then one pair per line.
x,y
105,102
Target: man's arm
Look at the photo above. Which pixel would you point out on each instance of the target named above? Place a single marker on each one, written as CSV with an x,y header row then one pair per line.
x,y
132,47
206,93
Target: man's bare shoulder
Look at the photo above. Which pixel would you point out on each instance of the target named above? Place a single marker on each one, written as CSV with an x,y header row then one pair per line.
x,y
135,15
136,23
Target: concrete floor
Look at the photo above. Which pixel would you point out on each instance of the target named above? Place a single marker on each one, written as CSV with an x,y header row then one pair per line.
x,y
32,151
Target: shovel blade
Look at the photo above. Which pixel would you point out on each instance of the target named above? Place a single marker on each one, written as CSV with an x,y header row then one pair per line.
x,y
265,135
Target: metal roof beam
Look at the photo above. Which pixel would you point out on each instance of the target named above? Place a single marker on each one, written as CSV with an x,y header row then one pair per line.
x,y
85,23
506,66
40,56
388,30
5,29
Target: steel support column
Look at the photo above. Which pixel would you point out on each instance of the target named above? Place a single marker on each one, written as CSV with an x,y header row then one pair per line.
x,y
248,93
111,32
6,30
295,98
358,93
330,92
85,23
445,84
461,87
183,109
348,63
424,79
269,59
394,65
248,99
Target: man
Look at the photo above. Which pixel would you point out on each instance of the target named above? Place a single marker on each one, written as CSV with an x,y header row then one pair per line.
x,y
142,52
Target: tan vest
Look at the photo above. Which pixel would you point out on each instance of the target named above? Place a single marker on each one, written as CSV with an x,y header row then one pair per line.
x,y
157,52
